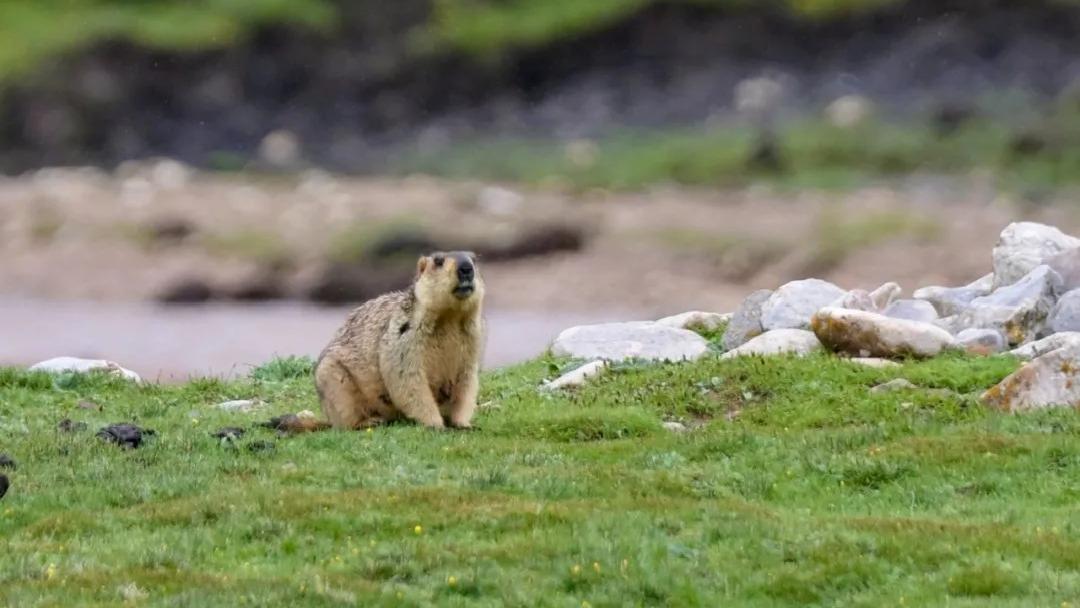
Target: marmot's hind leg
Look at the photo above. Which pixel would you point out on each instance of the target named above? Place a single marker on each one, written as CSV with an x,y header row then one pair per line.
x,y
342,401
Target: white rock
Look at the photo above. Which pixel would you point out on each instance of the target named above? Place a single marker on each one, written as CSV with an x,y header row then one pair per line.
x,y
949,301
746,322
982,341
912,310
792,306
849,111
75,364
675,427
242,406
1019,310
1050,343
1050,380
1067,265
577,377
896,384
1023,246
636,339
869,334
777,342
708,321
1065,316
856,299
280,149
169,174
499,201
875,362
885,295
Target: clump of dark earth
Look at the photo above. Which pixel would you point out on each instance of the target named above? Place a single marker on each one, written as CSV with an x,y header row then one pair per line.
x,y
289,424
4,485
261,288
765,156
125,435
88,405
404,243
229,433
260,446
186,291
7,462
170,231
340,283
67,425
538,241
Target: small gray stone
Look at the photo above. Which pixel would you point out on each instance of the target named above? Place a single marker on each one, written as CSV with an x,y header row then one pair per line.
x,y
1047,344
868,334
1023,246
856,299
982,341
633,340
912,310
1067,265
875,362
777,342
696,319
675,427
1019,311
746,322
578,376
241,405
883,296
75,364
896,384
950,301
1050,380
792,306
1065,315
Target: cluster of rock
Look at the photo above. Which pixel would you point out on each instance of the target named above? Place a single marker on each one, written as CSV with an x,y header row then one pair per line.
x,y
1029,306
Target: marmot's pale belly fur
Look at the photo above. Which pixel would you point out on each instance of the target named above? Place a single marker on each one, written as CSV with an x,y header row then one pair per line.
x,y
410,354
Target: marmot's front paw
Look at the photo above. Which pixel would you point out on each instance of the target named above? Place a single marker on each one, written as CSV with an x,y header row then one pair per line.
x,y
463,425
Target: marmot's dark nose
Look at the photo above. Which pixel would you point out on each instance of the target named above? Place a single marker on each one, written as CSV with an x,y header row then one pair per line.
x,y
465,271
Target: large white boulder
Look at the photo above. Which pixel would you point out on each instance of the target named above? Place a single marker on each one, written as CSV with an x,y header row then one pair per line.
x,y
1023,246
632,340
79,365
868,334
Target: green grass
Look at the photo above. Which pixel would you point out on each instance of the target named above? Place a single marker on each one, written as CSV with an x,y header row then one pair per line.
x,y
812,154
815,492
36,30
487,27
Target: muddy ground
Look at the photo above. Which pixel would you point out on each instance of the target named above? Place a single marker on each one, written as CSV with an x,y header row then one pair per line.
x,y
86,254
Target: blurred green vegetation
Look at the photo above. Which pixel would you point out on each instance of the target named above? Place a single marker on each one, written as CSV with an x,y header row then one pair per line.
x,y
34,30
808,153
484,27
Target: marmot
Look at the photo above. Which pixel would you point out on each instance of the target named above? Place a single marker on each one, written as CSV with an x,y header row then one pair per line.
x,y
409,354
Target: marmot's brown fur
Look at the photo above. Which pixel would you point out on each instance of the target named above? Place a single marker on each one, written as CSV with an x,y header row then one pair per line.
x,y
409,354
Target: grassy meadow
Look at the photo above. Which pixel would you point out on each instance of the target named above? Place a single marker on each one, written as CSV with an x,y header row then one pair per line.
x,y
794,486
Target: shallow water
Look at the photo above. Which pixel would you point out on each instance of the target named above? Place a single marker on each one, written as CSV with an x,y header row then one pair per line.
x,y
171,344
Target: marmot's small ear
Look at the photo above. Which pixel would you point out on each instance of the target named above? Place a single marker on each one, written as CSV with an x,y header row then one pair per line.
x,y
421,265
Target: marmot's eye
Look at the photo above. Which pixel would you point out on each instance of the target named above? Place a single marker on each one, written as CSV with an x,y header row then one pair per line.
x,y
439,261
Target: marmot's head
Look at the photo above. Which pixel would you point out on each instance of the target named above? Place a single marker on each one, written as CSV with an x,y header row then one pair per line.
x,y
448,280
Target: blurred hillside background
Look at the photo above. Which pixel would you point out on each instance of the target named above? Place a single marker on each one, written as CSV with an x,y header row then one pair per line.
x,y
193,186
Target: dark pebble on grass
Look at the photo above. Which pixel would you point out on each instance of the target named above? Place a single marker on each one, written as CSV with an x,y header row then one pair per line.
x,y
261,446
7,462
67,425
126,435
4,485
229,432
